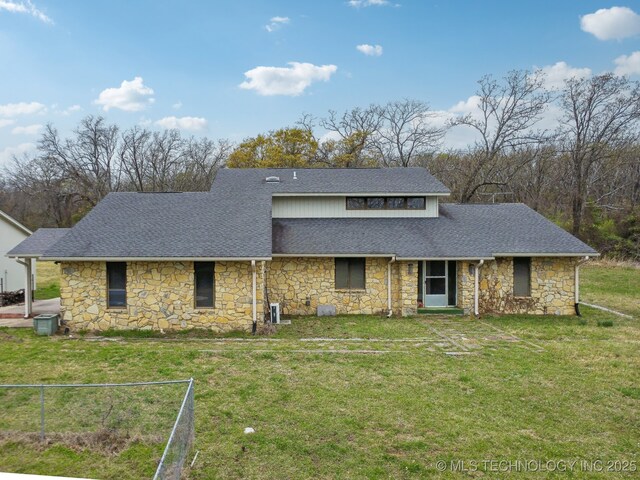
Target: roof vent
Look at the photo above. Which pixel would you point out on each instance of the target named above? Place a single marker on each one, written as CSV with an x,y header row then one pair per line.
x,y
295,176
273,179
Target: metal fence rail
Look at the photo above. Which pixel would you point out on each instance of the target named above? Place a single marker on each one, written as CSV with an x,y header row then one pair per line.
x,y
146,410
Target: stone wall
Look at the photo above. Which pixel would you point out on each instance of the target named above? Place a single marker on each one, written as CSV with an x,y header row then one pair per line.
x,y
552,287
300,284
159,295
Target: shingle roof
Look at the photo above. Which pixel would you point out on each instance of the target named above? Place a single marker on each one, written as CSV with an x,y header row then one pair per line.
x,y
164,225
234,221
38,242
332,180
461,231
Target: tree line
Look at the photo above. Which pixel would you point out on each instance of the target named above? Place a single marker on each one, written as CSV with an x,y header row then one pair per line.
x,y
571,154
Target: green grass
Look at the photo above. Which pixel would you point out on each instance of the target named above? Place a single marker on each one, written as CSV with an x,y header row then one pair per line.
x,y
568,390
48,280
616,287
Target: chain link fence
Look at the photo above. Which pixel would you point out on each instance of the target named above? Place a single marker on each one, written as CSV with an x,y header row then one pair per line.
x,y
104,418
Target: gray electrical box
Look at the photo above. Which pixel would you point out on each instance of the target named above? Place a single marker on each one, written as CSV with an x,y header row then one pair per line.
x,y
45,324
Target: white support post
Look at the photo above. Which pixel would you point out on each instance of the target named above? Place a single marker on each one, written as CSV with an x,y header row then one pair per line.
x,y
27,288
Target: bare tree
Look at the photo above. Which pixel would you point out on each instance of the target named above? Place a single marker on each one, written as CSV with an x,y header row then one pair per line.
x,y
406,131
600,117
507,113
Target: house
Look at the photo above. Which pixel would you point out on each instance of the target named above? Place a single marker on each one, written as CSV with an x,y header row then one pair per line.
x,y
366,241
12,274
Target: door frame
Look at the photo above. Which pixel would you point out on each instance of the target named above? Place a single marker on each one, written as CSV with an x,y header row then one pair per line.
x,y
446,283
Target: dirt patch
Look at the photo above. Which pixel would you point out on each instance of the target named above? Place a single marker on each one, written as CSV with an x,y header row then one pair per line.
x,y
106,442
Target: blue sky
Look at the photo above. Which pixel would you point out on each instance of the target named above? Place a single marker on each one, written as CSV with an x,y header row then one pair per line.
x,y
194,64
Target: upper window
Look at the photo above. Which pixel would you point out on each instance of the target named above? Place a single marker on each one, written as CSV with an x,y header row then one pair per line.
x,y
386,203
522,277
350,273
116,284
204,284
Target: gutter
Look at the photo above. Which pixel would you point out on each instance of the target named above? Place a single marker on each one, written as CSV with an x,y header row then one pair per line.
x,y
393,259
254,328
577,284
476,301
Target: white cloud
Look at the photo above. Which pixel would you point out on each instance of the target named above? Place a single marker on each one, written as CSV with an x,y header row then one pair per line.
x,y
276,23
628,64
371,50
292,80
4,122
22,108
369,3
555,75
130,96
24,7
9,152
72,109
194,124
177,106
27,130
612,23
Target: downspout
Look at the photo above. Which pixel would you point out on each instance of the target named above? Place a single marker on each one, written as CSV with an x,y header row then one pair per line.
x,y
577,285
254,282
476,297
393,259
27,287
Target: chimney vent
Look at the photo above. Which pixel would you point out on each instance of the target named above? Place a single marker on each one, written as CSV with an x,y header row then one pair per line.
x,y
295,177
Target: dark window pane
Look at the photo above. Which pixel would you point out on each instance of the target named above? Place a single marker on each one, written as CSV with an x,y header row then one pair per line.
x,y
452,283
356,273
416,203
350,273
435,286
376,203
420,284
435,269
204,280
356,203
116,284
342,273
395,203
522,276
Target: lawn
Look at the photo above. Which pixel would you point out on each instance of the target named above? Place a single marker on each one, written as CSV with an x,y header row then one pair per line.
x,y
48,280
368,398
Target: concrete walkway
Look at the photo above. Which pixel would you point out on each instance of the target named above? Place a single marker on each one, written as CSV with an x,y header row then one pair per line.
x,y
16,312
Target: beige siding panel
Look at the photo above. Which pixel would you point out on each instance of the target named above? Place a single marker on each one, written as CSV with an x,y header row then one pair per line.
x,y
335,207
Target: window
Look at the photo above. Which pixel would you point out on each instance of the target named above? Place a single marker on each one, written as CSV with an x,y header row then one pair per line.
x,y
116,284
356,203
386,203
521,277
396,203
416,203
204,281
350,273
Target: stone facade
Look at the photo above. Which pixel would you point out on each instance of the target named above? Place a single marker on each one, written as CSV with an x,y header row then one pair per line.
x,y
300,284
159,295
552,287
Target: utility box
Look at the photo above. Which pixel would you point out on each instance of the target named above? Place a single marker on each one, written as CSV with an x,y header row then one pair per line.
x,y
45,324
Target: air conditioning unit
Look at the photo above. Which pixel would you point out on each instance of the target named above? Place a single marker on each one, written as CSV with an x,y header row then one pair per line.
x,y
275,312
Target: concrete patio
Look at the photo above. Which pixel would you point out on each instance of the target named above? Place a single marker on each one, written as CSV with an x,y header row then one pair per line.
x,y
13,315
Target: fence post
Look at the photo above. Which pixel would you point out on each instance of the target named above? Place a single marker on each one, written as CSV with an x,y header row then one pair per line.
x,y
42,413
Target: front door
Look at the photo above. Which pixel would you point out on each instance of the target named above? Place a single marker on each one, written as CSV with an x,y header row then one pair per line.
x,y
439,283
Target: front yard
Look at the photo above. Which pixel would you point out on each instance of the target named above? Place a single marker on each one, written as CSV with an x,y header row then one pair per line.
x,y
364,397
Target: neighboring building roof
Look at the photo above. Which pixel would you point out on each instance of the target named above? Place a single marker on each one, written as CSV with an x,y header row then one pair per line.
x,y
164,225
39,241
332,180
461,231
12,221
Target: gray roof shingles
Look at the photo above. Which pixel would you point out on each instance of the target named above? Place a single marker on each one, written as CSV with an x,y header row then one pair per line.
x,y
461,231
39,241
234,221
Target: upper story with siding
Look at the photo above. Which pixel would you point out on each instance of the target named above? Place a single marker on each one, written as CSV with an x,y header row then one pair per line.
x,y
354,206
